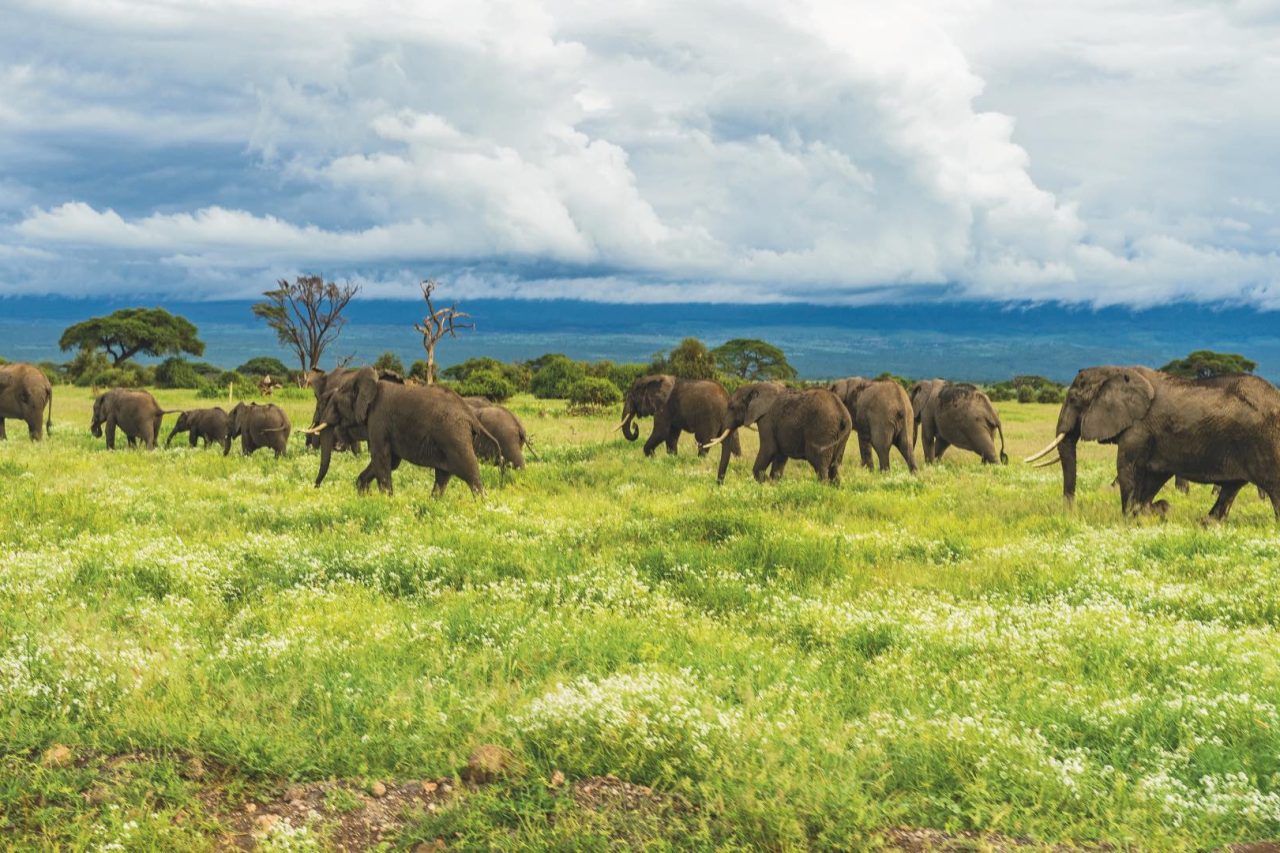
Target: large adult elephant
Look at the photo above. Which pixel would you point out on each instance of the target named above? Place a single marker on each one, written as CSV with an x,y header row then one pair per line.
x,y
136,413
882,416
956,414
426,425
812,424
503,425
24,393
259,426
1223,430
213,426
699,406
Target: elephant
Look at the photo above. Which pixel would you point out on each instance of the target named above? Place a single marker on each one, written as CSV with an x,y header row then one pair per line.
x,y
812,424
136,413
882,417
211,425
699,406
427,425
24,393
260,426
503,424
1222,430
956,414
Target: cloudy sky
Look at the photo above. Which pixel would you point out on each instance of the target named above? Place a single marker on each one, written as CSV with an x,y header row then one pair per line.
x,y
1101,151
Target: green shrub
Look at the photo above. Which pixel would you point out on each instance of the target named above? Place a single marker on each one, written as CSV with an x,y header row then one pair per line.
x,y
490,384
389,361
176,372
592,394
264,365
418,371
622,375
556,376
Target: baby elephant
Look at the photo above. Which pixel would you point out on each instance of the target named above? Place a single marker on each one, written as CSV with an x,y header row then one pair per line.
x,y
812,424
260,426
211,425
503,425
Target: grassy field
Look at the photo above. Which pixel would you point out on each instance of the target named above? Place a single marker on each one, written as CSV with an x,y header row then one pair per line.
x,y
186,638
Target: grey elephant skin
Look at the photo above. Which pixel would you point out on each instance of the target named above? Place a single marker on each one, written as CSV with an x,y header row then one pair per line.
x,y
1223,430
258,426
956,414
504,426
135,413
811,424
24,393
698,406
426,425
212,426
882,417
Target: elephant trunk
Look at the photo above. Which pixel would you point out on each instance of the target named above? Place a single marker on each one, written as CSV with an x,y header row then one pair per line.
x,y
629,430
726,450
327,440
1067,452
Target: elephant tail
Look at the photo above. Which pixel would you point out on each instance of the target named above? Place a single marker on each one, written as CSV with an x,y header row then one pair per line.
x,y
478,429
1004,457
48,424
529,446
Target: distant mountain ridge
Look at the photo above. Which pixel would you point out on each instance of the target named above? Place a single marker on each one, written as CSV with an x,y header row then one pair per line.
x,y
978,341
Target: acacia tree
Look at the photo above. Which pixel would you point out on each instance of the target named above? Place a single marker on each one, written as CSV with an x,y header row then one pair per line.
x,y
439,323
134,331
307,316
753,360
1205,362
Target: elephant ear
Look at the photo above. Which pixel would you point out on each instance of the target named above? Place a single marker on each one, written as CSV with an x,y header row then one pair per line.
x,y
655,393
1119,403
366,385
760,404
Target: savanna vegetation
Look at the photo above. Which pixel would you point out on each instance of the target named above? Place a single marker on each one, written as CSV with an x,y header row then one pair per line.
x,y
192,646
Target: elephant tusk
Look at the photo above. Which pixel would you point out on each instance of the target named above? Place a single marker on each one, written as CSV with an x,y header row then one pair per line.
x,y
713,442
1045,464
619,426
316,430
1033,457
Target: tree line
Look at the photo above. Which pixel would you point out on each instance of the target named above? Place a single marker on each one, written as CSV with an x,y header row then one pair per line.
x,y
308,316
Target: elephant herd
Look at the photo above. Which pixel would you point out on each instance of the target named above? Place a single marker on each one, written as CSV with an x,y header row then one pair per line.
x,y
815,424
1222,431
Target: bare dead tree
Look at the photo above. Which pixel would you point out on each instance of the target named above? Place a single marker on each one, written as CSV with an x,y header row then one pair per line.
x,y
307,316
439,323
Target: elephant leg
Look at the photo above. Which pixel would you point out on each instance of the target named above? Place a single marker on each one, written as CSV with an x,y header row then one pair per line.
x,y
1127,480
226,446
1272,491
779,467
658,436
192,438
1181,485
3,435
818,460
864,450
927,434
133,439
35,425
763,458
1262,494
364,478
1149,485
1222,506
903,443
442,482
673,443
939,447
111,433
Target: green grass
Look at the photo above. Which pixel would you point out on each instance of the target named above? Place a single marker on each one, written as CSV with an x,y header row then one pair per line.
x,y
804,666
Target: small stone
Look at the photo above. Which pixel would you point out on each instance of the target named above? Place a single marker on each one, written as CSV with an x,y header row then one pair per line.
x,y
378,790
557,778
57,756
429,787
250,807
488,764
195,769
265,822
